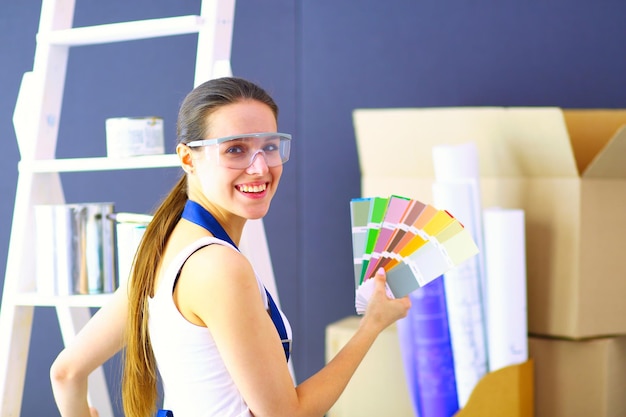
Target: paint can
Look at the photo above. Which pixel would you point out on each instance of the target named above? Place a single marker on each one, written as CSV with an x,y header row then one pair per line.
x,y
134,136
130,228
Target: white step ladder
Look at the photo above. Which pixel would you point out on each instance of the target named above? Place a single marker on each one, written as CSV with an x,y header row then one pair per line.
x,y
36,121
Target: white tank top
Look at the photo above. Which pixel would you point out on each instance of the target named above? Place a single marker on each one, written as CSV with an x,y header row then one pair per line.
x,y
196,382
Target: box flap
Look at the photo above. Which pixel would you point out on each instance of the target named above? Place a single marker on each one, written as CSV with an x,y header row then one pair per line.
x,y
610,162
591,131
507,392
511,142
538,143
398,142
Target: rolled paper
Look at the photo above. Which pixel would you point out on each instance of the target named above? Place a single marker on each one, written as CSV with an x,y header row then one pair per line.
x,y
456,188
505,254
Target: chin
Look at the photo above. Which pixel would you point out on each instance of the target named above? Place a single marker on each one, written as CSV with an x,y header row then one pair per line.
x,y
255,213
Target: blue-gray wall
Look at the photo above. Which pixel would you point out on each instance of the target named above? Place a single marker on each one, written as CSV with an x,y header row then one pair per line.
x,y
320,59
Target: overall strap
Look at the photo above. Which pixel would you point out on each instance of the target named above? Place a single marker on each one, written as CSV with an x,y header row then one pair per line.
x,y
197,214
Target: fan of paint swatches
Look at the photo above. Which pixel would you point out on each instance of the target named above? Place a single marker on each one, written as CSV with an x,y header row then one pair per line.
x,y
414,242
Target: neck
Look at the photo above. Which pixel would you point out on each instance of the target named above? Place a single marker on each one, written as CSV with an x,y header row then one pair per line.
x,y
233,225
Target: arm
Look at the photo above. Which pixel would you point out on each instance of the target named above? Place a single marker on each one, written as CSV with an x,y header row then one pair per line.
x,y
98,341
249,343
323,389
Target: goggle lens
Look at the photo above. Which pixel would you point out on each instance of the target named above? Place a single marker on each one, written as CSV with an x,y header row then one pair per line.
x,y
239,152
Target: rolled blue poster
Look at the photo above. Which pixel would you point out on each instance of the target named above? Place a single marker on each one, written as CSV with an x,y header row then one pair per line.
x,y
427,350
405,338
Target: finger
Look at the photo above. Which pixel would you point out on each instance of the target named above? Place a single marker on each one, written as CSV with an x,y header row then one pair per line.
x,y
381,278
381,283
380,273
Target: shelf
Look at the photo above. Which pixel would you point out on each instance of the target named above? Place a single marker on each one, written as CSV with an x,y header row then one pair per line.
x,y
125,31
34,299
99,164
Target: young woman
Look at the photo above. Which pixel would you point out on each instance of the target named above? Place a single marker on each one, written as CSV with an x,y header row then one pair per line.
x,y
195,312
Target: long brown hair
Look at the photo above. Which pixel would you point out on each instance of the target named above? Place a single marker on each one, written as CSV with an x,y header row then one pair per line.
x,y
139,383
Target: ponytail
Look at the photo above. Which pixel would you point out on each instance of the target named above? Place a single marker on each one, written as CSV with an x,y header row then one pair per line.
x,y
139,384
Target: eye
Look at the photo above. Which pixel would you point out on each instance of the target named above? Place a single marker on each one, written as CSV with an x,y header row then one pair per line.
x,y
235,150
271,147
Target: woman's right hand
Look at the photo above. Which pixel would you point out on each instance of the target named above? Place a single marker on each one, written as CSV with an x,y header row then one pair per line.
x,y
93,412
381,310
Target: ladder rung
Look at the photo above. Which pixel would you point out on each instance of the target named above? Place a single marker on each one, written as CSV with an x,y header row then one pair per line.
x,y
124,31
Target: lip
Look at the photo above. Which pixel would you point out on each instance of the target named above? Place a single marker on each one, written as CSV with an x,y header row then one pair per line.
x,y
254,195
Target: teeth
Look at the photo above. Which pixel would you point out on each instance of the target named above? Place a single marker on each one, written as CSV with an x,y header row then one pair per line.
x,y
252,188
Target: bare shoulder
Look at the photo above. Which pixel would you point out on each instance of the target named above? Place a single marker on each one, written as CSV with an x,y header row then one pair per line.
x,y
214,261
213,279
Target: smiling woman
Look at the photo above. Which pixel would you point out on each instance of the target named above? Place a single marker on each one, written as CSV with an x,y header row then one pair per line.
x,y
195,312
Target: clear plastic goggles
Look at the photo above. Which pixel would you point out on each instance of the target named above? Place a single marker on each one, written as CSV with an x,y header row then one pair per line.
x,y
239,151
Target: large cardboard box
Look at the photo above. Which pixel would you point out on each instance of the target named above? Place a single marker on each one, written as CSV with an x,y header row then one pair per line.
x,y
579,378
565,168
379,388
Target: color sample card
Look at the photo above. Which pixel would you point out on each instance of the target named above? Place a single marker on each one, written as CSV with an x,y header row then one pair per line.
x,y
359,216
378,208
414,242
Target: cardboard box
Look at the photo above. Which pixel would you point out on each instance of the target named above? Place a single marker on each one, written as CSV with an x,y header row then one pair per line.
x,y
378,387
579,378
565,168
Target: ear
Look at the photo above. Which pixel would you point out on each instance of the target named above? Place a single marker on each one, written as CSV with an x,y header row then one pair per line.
x,y
184,156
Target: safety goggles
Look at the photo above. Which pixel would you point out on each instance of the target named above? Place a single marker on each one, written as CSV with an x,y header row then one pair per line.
x,y
239,151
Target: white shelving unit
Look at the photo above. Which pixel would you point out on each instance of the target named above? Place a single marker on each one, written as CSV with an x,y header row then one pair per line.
x,y
97,164
36,121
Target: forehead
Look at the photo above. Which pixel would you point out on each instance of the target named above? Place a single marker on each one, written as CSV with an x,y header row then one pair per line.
x,y
247,116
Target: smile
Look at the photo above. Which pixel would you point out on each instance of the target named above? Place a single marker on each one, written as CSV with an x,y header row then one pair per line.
x,y
252,188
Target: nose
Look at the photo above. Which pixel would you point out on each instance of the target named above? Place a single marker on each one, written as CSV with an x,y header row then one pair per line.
x,y
258,164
